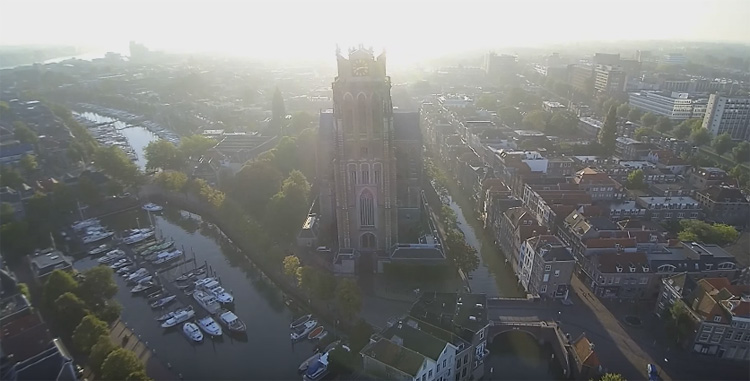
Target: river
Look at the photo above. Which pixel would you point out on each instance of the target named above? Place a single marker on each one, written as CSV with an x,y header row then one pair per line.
x,y
266,354
137,136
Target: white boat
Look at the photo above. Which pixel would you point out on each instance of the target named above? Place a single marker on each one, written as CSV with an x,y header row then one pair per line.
x,y
212,286
207,301
317,369
231,321
306,364
121,263
138,274
210,326
304,330
96,237
299,321
151,207
111,256
142,287
171,314
192,332
124,270
99,249
163,301
138,237
168,258
178,317
80,225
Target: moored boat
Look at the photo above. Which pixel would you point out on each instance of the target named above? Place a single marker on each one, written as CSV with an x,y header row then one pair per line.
x,y
192,332
99,249
207,301
301,320
304,330
163,301
317,369
151,207
173,313
142,287
231,321
315,332
178,317
210,326
321,336
306,364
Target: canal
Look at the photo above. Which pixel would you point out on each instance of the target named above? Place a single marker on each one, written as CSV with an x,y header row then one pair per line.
x,y
267,352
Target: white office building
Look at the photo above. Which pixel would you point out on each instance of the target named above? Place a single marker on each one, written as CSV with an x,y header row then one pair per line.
x,y
730,115
676,106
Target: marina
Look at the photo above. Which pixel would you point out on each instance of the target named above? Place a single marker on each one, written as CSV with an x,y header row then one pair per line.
x,y
231,331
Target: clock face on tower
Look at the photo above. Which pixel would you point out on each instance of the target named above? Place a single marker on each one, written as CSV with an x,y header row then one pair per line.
x,y
359,68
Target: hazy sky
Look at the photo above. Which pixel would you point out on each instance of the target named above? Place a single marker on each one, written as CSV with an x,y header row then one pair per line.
x,y
407,28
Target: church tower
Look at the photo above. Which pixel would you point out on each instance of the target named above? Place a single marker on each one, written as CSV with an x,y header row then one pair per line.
x,y
363,153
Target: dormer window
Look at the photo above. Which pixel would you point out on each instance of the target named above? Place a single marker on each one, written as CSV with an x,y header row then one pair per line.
x,y
646,269
726,266
632,268
717,318
618,268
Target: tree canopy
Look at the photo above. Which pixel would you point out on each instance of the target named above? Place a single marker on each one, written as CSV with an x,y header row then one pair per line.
x,y
23,133
663,124
99,352
741,152
87,333
700,137
195,146
288,207
163,154
636,179
348,297
69,311
696,230
58,282
120,364
649,120
98,286
291,265
255,184
608,132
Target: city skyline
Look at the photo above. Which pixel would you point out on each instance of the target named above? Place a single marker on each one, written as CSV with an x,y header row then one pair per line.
x,y
410,30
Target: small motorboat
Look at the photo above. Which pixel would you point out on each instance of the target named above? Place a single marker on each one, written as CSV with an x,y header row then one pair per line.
x,y
321,336
315,332
317,369
151,207
184,286
144,279
137,275
99,249
301,320
124,270
173,313
192,332
231,321
305,329
121,263
142,287
306,364
163,301
154,296
178,317
210,326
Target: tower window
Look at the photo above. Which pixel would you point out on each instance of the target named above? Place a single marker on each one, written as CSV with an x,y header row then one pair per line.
x,y
365,176
353,177
366,209
362,113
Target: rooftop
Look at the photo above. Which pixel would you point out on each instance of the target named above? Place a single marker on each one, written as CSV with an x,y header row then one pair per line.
x,y
395,356
406,335
462,314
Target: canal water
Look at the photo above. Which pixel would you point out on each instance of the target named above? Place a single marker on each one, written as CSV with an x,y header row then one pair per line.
x,y
137,136
518,356
266,354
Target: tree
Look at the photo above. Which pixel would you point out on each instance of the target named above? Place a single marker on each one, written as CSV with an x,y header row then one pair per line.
x,y
307,278
88,332
285,154
701,231
88,191
115,163
663,124
563,122
138,376
700,137
7,212
741,152
612,377
120,364
23,133
301,121
9,177
463,255
70,310
623,110
291,265
278,112
649,119
195,146
608,131
109,311
634,114
510,116
722,143
348,297
306,152
636,179
682,131
255,184
325,286
99,352
288,207
679,324
360,336
641,133
536,120
163,154
343,361
98,286
174,181
28,164
58,282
